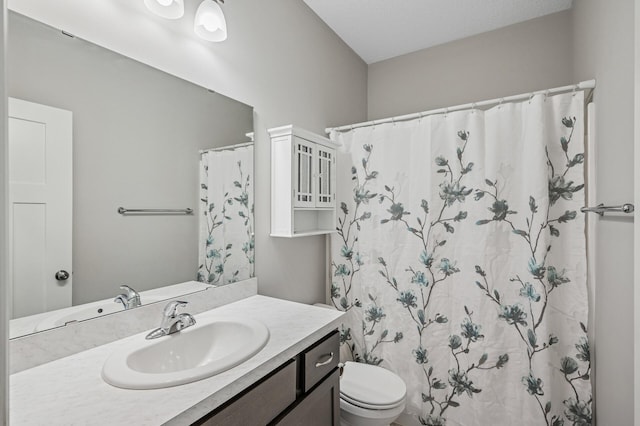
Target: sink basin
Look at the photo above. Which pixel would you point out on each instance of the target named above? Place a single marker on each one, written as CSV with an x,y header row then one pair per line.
x,y
84,312
213,345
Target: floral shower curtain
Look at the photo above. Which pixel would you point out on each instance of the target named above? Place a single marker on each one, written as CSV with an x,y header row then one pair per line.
x,y
226,243
460,258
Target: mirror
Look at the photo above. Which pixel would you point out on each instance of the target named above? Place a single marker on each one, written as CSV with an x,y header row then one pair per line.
x,y
136,139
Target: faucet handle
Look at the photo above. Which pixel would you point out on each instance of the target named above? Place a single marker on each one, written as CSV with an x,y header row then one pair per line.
x,y
171,309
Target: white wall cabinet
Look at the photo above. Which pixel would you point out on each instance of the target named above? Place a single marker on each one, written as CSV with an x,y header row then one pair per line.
x,y
303,177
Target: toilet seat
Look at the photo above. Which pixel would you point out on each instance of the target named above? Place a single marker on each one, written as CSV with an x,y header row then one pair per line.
x,y
367,416
371,387
362,404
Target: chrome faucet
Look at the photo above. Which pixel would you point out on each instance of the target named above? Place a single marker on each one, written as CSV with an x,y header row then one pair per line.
x,y
171,321
130,299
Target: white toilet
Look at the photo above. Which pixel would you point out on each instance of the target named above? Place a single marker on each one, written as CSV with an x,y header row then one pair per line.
x,y
369,395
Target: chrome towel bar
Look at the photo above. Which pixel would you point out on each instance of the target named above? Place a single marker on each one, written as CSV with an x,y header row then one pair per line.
x,y
601,209
124,211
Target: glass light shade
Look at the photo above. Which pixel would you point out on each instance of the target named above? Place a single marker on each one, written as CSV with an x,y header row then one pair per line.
x,y
170,9
209,22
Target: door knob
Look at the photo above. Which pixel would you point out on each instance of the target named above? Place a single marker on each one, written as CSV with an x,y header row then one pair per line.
x,y
62,275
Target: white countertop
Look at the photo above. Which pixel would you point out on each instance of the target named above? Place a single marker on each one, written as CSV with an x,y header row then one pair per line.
x,y
70,391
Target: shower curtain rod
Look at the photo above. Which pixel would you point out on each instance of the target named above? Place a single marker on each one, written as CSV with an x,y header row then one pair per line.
x,y
584,85
224,148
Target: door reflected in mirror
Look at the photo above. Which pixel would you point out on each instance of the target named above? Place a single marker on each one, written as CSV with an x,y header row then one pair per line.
x,y
91,131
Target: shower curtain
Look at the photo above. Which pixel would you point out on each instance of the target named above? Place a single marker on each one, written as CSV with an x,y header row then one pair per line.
x,y
226,243
460,259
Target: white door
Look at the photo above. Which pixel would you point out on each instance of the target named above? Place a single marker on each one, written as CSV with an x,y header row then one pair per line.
x,y
40,207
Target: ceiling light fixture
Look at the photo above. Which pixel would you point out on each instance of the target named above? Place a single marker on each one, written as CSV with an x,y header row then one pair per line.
x,y
209,22
170,9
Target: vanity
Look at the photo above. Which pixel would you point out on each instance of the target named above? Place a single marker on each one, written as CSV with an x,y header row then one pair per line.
x,y
303,391
293,380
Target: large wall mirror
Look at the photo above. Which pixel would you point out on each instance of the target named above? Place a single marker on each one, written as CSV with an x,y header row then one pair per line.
x,y
91,131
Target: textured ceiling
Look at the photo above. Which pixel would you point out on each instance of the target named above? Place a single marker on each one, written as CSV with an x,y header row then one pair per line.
x,y
382,29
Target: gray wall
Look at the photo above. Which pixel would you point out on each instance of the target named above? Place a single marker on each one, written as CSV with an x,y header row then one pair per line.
x,y
305,75
137,132
603,46
532,55
594,40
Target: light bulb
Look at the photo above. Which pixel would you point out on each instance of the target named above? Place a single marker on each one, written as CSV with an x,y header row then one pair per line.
x,y
209,23
170,9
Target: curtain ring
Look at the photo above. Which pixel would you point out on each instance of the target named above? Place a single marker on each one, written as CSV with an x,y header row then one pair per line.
x,y
420,117
473,108
393,121
575,88
500,103
531,96
446,112
546,94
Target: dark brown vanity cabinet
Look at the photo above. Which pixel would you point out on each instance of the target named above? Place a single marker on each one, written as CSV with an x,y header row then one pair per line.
x,y
304,391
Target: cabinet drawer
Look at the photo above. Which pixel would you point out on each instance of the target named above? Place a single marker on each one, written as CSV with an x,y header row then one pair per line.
x,y
261,403
320,359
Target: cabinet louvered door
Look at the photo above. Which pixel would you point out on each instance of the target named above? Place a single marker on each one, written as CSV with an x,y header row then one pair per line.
x,y
325,177
303,190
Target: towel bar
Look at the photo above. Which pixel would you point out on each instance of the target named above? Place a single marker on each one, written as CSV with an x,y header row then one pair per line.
x,y
601,209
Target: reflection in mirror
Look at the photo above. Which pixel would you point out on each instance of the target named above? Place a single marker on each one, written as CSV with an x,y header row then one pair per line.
x,y
92,131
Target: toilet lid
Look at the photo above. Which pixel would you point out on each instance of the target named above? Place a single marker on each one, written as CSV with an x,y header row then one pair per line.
x,y
369,386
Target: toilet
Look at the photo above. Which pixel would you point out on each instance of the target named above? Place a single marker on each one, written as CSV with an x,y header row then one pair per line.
x,y
369,395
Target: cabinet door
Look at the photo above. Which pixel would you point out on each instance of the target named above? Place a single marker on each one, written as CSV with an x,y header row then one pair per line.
x,y
320,407
325,176
303,181
260,404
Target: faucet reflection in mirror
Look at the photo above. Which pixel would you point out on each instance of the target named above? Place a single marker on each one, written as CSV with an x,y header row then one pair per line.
x,y
129,299
226,250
